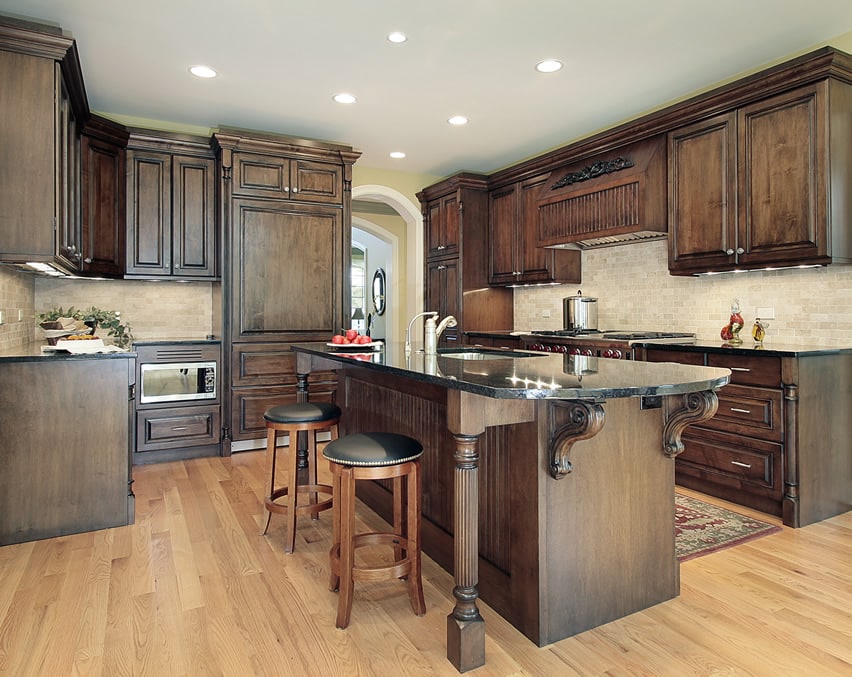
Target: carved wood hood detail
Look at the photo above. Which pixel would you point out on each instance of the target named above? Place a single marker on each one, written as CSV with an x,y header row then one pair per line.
x,y
615,199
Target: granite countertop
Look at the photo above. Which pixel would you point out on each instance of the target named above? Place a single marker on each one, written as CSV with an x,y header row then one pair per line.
x,y
767,348
32,352
533,376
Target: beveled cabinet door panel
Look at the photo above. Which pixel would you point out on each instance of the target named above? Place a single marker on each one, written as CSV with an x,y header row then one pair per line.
x,y
193,231
782,176
316,181
261,175
103,207
263,364
503,217
702,194
287,261
149,193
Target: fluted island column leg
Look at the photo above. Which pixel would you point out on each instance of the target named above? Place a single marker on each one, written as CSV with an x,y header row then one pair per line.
x,y
465,627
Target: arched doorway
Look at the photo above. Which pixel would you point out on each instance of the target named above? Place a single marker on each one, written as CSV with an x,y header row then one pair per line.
x,y
405,277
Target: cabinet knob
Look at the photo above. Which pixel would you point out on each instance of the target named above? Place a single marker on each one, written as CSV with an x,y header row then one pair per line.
x,y
441,246
729,252
286,189
740,250
442,267
295,190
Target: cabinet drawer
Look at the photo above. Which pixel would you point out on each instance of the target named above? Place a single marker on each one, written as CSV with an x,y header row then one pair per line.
x,y
749,370
749,411
249,404
177,427
678,356
255,364
726,459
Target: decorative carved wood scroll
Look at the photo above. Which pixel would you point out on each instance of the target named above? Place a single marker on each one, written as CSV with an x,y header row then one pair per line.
x,y
570,423
593,171
696,407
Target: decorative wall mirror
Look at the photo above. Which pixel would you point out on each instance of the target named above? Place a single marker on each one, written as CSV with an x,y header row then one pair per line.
x,y
379,286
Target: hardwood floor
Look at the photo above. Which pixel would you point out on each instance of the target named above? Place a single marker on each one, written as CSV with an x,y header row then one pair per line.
x,y
192,588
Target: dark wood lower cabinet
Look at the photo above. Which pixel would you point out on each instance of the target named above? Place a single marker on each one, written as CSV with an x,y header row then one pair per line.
x,y
65,456
780,441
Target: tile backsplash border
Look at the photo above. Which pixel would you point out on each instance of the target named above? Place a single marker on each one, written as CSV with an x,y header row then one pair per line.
x,y
635,291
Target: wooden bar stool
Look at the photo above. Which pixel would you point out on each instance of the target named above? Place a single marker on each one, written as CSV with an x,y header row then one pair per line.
x,y
375,456
311,418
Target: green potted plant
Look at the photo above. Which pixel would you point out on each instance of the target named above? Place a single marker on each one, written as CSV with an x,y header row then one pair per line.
x,y
110,320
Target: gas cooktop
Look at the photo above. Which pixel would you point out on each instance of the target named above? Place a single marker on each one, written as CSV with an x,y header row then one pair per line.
x,y
620,335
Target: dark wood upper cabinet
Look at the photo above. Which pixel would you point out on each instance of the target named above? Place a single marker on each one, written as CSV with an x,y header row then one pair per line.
x,y
513,257
103,229
763,185
256,175
42,109
441,224
171,207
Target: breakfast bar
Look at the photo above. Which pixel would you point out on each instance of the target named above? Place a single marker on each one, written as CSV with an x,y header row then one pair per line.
x,y
548,480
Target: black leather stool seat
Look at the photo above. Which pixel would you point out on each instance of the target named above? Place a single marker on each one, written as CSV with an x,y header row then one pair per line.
x,y
373,449
302,412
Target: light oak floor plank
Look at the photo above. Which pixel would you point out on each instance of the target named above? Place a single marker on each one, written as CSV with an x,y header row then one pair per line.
x,y
192,588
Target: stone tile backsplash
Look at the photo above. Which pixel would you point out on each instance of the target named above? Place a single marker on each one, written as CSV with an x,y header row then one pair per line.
x,y
635,291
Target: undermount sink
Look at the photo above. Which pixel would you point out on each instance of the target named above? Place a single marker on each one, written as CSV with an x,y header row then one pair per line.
x,y
483,354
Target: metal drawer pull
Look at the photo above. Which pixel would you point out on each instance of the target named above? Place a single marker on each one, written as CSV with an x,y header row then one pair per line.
x,y
738,369
179,427
741,411
742,465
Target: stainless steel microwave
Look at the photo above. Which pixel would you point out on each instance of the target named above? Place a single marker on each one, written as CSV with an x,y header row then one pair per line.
x,y
177,382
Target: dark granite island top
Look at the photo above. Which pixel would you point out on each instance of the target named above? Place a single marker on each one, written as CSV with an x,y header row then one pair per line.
x,y
548,480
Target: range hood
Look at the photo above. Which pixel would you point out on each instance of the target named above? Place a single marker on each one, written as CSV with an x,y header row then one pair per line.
x,y
614,199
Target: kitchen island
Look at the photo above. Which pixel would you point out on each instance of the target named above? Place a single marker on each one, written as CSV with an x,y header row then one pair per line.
x,y
548,480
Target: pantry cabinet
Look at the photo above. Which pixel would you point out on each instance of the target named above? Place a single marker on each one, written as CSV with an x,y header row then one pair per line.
x,y
286,207
455,223
513,223
171,207
42,109
779,441
763,185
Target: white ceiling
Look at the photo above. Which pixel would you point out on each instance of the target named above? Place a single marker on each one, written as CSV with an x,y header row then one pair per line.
x,y
281,61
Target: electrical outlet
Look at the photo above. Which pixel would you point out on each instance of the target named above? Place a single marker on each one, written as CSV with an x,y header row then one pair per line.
x,y
20,315
2,317
545,313
765,313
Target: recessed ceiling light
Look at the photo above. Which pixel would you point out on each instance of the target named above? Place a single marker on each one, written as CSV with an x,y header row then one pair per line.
x,y
548,66
396,36
458,120
344,98
202,71
397,154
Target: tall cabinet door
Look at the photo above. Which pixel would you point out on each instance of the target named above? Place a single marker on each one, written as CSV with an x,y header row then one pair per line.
x,y
443,294
286,265
703,194
782,142
193,231
149,213
503,216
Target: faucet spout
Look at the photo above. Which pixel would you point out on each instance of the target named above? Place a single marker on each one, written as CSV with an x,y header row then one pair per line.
x,y
448,321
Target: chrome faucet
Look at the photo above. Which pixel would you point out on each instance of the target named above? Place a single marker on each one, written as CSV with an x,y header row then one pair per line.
x,y
433,315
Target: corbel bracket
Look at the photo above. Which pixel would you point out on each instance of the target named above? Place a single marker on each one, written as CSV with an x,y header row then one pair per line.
x,y
579,421
695,407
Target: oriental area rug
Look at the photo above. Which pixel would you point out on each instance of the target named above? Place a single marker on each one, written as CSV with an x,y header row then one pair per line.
x,y
701,528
